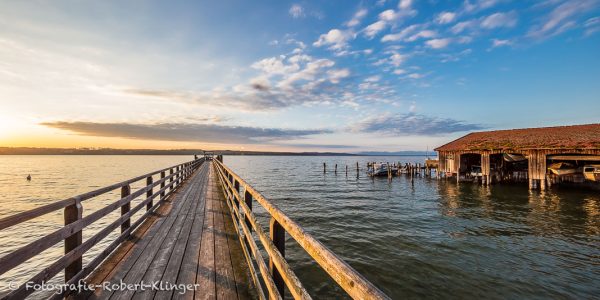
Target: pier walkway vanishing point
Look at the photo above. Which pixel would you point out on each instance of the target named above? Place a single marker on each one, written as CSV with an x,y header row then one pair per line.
x,y
198,235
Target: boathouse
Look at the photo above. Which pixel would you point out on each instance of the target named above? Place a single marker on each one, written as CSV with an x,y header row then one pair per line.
x,y
520,154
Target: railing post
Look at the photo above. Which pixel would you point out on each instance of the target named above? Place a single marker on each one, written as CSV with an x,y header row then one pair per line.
x,y
178,175
72,213
149,192
125,191
162,185
248,200
236,185
277,234
171,179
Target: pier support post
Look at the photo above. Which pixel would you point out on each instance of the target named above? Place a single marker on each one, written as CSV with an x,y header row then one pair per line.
x,y
73,213
278,237
149,193
125,191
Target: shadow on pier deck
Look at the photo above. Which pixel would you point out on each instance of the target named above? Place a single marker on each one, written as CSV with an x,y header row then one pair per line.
x,y
189,241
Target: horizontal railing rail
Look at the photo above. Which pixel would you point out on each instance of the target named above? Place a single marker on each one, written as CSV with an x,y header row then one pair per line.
x,y
74,222
278,274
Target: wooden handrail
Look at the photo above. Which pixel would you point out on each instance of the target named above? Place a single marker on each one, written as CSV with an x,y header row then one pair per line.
x,y
348,279
75,247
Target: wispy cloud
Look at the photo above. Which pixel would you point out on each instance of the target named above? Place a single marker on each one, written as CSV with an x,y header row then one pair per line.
x,y
336,39
497,20
445,17
561,18
296,11
189,132
438,43
413,124
357,18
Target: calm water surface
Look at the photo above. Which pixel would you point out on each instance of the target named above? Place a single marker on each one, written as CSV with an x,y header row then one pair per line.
x,y
433,239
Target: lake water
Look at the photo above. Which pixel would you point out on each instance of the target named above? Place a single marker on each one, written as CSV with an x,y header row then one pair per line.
x,y
430,239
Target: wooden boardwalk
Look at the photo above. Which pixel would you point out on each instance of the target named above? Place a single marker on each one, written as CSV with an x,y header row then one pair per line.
x,y
189,240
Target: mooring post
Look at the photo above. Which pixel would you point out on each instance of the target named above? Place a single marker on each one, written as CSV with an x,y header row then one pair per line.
x,y
277,234
346,170
335,169
162,185
73,213
324,168
125,191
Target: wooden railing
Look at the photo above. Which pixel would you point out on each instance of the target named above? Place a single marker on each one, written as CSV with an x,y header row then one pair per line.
x,y
74,222
278,274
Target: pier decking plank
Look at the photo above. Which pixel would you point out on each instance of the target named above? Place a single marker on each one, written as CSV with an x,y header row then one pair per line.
x,y
187,241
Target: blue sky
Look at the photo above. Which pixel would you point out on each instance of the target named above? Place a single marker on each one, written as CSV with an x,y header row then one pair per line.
x,y
292,75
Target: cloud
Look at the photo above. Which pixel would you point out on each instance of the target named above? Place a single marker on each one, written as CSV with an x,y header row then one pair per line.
x,y
592,25
188,132
336,75
422,34
386,18
358,16
397,59
499,20
373,29
296,11
438,43
373,78
462,26
405,4
275,66
413,124
445,17
400,35
560,19
470,6
336,39
500,43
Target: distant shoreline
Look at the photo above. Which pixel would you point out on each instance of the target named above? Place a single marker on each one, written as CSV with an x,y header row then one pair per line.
x,y
199,152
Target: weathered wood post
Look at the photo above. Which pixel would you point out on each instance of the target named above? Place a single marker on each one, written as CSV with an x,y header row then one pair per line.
x,y
457,163
277,234
335,171
162,185
324,168
346,170
72,213
357,169
248,200
236,185
125,191
171,179
149,192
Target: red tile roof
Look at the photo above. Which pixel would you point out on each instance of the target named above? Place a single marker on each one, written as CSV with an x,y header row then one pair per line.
x,y
561,137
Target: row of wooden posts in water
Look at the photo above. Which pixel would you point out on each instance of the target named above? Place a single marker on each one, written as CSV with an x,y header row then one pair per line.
x,y
409,169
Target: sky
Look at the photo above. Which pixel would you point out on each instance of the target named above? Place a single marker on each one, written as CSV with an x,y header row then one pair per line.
x,y
337,75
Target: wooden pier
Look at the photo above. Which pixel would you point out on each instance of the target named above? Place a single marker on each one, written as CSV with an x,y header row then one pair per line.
x,y
197,239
